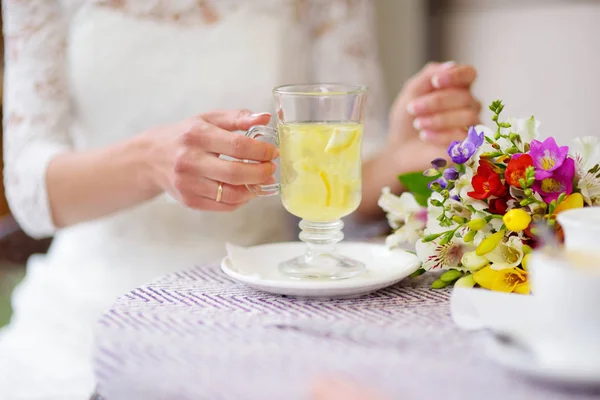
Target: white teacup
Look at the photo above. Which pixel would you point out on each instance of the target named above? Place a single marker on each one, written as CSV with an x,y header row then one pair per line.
x,y
566,288
582,229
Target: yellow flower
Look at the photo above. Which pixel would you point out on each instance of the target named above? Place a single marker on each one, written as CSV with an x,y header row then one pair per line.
x,y
513,280
489,243
517,220
574,200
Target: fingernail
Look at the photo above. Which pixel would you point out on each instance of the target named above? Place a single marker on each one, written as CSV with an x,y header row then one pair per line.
x,y
256,115
417,124
448,64
424,135
415,107
273,167
435,80
275,154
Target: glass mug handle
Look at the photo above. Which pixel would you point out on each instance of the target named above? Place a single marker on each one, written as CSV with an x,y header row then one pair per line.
x,y
270,134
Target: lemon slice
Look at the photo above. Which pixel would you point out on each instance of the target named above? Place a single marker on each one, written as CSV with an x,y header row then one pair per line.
x,y
340,140
325,179
304,165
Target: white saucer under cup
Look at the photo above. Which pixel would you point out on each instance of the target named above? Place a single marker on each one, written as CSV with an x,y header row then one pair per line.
x,y
257,267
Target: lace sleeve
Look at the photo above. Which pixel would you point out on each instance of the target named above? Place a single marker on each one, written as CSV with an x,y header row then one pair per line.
x,y
36,107
345,50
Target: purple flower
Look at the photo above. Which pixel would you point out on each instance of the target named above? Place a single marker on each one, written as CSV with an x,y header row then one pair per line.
x,y
439,163
460,152
439,184
560,181
547,157
450,174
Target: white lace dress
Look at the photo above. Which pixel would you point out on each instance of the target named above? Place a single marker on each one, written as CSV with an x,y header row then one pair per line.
x,y
83,74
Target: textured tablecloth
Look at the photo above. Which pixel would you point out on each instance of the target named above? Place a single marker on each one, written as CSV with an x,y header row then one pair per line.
x,y
200,335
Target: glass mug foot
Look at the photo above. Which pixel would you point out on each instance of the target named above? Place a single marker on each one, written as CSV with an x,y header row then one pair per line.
x,y
321,259
322,266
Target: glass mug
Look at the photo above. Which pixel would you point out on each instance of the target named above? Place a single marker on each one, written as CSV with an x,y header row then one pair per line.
x,y
319,134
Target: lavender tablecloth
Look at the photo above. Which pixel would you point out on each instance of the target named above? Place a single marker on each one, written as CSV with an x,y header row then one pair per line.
x,y
200,335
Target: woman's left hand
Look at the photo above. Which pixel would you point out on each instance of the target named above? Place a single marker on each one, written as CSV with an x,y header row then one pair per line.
x,y
434,109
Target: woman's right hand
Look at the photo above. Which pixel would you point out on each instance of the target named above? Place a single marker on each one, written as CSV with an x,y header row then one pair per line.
x,y
186,164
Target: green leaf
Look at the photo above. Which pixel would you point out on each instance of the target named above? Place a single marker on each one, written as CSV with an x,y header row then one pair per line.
x,y
416,183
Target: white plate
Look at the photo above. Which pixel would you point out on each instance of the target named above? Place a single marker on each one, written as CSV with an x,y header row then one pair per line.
x,y
384,268
517,357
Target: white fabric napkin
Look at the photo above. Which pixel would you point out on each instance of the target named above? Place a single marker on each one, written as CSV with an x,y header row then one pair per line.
x,y
243,260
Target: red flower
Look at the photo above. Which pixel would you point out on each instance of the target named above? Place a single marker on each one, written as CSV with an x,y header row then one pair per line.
x,y
516,169
499,205
486,183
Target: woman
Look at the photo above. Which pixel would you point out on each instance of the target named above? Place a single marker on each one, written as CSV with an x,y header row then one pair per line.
x,y
109,104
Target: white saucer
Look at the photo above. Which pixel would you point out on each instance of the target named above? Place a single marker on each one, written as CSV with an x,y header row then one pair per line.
x,y
519,358
258,268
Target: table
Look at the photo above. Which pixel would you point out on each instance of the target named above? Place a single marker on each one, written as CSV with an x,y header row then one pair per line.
x,y
198,334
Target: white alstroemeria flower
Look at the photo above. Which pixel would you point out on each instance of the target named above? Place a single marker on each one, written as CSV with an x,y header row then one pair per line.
x,y
586,153
435,256
410,232
527,128
507,254
463,186
405,215
398,209
486,147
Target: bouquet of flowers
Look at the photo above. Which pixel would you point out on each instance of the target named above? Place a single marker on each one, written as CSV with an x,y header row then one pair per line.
x,y
475,218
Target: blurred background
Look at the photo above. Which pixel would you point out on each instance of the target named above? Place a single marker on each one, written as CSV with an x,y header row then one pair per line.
x,y
539,56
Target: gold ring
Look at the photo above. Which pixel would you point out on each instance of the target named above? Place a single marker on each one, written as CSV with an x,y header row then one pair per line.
x,y
219,192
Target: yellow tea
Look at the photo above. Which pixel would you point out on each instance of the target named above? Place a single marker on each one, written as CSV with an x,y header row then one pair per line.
x,y
320,169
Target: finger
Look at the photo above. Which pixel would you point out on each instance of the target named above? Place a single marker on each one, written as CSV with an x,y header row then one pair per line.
x,y
203,203
236,173
458,76
462,118
443,138
420,83
190,185
236,120
220,141
440,100
476,105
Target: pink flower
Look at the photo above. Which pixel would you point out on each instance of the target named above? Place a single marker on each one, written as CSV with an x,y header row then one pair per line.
x,y
560,181
547,157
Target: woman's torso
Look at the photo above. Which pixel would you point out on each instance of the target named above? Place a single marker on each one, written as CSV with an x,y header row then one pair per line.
x,y
134,65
